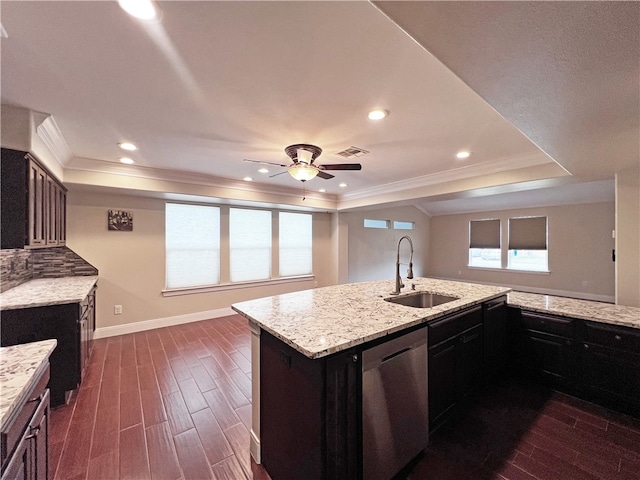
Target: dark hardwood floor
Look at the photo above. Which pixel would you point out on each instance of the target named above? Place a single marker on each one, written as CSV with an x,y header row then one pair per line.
x,y
175,403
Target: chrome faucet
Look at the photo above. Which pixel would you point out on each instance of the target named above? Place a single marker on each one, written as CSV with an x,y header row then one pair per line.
x,y
399,283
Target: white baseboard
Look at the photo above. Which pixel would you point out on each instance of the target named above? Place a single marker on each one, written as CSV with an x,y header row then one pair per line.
x,y
254,447
115,330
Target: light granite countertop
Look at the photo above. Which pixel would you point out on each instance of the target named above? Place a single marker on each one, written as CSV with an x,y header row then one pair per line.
x,y
572,307
20,367
44,292
322,321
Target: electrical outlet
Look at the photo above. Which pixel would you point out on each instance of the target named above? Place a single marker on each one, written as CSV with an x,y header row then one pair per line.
x,y
117,309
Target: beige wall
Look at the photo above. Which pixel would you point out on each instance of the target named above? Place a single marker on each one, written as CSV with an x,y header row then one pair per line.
x,y
372,252
580,245
628,237
132,264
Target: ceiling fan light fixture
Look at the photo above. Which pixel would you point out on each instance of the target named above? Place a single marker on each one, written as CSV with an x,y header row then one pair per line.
x,y
302,171
305,156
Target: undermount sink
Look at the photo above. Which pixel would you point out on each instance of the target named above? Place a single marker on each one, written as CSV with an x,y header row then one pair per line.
x,y
421,300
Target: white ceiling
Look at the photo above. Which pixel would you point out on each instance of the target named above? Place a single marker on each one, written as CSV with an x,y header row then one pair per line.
x,y
217,82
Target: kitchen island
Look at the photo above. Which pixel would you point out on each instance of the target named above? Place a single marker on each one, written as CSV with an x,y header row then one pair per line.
x,y
24,409
307,366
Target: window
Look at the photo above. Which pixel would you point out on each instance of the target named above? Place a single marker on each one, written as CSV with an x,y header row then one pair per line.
x,y
528,244
484,243
295,237
373,223
192,243
249,244
398,225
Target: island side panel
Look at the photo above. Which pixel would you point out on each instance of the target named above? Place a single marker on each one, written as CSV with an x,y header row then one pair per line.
x,y
291,411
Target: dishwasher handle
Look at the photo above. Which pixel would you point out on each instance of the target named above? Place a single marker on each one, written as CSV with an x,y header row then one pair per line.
x,y
399,352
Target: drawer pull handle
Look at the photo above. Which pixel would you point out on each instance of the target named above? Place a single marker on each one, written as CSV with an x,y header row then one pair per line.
x,y
33,432
354,358
618,337
586,346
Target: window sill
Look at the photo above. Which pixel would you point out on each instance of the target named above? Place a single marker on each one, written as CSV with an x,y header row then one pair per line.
x,y
173,292
510,270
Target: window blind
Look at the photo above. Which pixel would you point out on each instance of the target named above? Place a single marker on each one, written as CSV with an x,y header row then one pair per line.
x,y
295,237
484,233
528,233
249,244
192,243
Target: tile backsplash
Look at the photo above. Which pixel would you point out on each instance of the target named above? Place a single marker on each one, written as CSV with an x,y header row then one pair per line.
x,y
21,265
16,267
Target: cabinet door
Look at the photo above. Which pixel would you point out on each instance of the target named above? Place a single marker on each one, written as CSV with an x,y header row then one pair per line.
x,y
38,212
442,380
550,358
52,211
62,217
19,468
341,417
495,338
469,361
612,376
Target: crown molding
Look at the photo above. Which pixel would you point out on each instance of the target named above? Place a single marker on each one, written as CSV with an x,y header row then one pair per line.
x,y
80,166
460,173
52,137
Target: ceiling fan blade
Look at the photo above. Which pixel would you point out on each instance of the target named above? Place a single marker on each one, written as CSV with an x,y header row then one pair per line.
x,y
276,174
266,163
324,175
342,166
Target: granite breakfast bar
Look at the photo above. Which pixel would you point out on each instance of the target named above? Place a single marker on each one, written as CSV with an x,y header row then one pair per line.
x,y
315,339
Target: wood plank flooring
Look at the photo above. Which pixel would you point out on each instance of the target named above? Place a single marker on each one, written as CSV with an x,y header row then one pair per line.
x,y
175,403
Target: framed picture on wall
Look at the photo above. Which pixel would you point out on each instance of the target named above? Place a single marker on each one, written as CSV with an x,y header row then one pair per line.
x,y
120,220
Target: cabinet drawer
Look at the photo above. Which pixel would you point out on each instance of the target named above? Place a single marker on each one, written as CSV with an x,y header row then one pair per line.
x,y
548,324
13,433
612,336
443,329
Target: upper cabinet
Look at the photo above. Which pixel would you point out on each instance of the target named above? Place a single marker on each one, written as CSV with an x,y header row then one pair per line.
x,y
33,203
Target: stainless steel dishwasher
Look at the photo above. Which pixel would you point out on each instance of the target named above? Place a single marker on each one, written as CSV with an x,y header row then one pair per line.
x,y
395,419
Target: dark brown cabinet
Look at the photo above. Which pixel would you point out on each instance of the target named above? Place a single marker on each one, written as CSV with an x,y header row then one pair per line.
x,y
455,362
72,325
25,442
496,346
34,203
546,348
309,425
610,365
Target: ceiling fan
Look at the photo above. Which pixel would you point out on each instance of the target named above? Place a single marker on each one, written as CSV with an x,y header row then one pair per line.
x,y
303,155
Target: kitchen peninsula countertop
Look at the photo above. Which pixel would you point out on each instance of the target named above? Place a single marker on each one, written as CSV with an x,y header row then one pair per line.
x,y
20,366
323,321
43,292
572,307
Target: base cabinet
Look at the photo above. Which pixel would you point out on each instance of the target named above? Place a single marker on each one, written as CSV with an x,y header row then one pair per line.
x,y
72,325
25,442
610,365
596,361
455,362
309,421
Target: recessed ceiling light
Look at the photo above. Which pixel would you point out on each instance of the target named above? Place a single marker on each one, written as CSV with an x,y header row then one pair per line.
x,y
130,147
322,190
127,161
463,154
142,9
378,114
264,170
248,179
342,185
